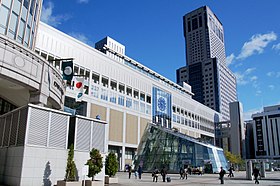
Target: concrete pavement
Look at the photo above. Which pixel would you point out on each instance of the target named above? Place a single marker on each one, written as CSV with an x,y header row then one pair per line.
x,y
272,179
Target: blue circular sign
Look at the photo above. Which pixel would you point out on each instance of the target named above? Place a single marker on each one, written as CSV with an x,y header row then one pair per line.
x,y
161,104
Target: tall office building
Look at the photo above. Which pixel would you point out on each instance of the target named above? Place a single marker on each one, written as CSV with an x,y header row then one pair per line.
x,y
213,84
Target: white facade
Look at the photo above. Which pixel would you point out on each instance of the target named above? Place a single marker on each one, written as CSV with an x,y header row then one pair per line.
x,y
29,159
266,129
127,87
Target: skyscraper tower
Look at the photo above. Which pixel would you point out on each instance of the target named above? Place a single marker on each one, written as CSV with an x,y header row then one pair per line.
x,y
211,80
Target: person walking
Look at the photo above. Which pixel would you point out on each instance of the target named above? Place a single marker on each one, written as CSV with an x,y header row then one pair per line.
x,y
155,174
163,173
222,174
230,172
139,171
256,174
181,172
186,173
129,171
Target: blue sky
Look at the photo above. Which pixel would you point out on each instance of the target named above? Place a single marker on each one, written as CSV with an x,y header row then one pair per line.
x,y
152,31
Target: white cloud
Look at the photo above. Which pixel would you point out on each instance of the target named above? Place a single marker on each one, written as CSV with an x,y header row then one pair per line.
x,y
270,74
249,70
81,37
48,17
256,45
82,1
254,78
276,47
271,87
247,115
244,78
240,78
230,59
273,74
258,92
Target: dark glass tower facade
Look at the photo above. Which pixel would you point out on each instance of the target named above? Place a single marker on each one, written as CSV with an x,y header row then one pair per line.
x,y
213,84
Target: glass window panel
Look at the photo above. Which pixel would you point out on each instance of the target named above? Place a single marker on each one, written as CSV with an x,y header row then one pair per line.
x,y
21,30
13,25
7,3
121,100
142,107
32,7
16,7
27,34
128,102
148,109
29,20
104,94
36,12
136,105
26,3
24,13
95,91
4,12
113,97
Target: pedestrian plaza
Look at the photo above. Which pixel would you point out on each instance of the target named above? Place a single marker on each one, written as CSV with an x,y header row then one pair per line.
x,y
272,179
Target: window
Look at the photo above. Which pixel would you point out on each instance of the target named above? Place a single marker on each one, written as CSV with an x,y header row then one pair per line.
x,y
121,88
148,99
95,91
148,109
142,96
135,105
121,100
142,107
104,94
94,76
105,82
128,102
3,21
129,91
113,97
113,85
136,94
13,25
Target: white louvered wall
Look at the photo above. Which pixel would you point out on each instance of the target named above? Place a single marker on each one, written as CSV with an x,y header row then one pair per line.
x,y
47,128
89,134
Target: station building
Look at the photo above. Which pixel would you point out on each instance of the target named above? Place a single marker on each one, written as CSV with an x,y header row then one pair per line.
x,y
125,93
118,90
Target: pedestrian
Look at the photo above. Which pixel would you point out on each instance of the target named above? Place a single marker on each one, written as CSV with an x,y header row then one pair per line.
x,y
230,170
186,173
135,174
222,174
181,172
256,174
129,171
139,171
155,174
163,173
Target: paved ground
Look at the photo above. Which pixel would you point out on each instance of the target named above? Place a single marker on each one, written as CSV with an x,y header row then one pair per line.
x,y
272,179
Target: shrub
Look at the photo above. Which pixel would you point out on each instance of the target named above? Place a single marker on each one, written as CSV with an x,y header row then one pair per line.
x,y
111,164
94,163
71,166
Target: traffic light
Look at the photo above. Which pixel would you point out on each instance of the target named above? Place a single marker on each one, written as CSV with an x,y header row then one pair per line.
x,y
79,87
67,70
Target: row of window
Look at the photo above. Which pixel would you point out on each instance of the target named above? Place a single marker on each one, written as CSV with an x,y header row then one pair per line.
x,y
18,20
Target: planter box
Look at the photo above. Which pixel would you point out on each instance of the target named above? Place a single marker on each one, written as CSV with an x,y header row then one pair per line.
x,y
94,183
111,180
69,183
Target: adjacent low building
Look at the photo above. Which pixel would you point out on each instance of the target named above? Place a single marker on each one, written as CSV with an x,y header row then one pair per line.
x,y
266,131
